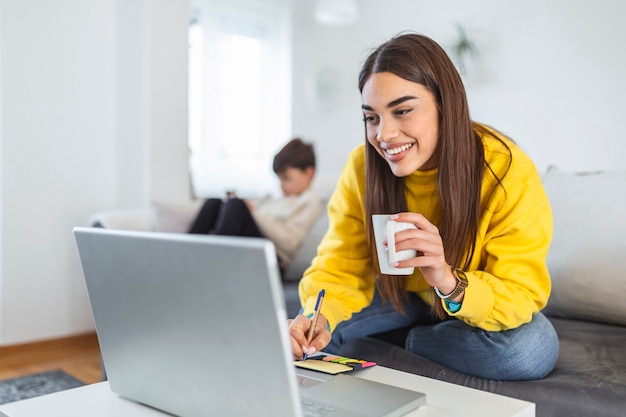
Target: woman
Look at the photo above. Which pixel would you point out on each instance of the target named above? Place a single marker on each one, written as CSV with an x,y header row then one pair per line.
x,y
484,226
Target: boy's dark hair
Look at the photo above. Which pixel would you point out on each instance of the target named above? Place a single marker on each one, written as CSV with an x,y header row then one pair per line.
x,y
296,154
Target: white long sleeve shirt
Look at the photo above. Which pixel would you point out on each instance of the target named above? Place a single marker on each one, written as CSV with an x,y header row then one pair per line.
x,y
286,221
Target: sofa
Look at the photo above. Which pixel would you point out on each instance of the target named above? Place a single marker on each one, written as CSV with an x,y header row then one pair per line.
x,y
587,260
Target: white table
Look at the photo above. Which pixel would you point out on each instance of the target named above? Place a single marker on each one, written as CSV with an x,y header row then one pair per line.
x,y
442,400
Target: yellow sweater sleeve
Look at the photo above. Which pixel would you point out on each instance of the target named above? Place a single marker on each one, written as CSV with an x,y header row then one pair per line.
x,y
287,220
508,276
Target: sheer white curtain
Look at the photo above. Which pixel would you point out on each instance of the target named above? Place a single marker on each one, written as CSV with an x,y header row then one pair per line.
x,y
239,94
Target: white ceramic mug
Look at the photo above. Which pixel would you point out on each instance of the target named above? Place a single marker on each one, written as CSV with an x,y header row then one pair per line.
x,y
385,229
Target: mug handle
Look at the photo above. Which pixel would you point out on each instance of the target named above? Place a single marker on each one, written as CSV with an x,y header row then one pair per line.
x,y
391,242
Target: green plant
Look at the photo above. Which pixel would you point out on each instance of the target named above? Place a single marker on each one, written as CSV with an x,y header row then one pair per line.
x,y
462,48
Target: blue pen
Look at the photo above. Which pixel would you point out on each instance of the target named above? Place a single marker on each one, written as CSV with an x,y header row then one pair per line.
x,y
316,314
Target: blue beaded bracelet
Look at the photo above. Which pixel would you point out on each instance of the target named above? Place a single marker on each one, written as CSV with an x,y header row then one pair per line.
x,y
452,306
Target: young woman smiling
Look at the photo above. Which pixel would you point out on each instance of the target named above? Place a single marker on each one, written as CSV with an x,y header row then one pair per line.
x,y
483,229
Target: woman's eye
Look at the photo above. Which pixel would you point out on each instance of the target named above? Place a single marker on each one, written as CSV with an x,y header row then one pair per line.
x,y
401,112
369,118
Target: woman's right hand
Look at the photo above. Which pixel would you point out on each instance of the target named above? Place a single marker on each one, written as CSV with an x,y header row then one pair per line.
x,y
299,331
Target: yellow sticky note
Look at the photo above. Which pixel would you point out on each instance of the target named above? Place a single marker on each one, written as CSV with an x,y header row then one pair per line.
x,y
323,366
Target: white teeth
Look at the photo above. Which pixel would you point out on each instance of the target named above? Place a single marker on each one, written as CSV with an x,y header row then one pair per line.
x,y
399,149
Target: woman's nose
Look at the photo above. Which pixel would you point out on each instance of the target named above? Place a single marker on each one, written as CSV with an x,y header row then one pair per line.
x,y
387,130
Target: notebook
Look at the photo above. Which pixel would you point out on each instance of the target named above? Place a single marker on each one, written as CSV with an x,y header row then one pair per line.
x,y
196,326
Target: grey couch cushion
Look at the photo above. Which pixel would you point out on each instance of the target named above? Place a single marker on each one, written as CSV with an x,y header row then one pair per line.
x,y
587,257
292,301
307,251
589,378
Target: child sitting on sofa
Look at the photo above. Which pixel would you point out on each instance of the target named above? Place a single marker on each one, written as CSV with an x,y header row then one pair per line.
x,y
285,220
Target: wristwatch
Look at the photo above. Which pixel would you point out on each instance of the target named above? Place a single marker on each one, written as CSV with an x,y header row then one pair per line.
x,y
461,284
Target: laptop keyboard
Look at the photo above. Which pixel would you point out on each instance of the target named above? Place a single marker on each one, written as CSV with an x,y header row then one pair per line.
x,y
313,408
316,409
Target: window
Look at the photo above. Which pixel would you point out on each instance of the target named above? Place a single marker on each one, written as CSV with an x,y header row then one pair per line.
x,y
239,92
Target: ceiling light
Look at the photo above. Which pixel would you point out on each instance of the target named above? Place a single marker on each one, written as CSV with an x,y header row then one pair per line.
x,y
336,12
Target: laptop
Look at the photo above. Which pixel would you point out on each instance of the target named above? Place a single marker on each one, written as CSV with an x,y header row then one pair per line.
x,y
196,326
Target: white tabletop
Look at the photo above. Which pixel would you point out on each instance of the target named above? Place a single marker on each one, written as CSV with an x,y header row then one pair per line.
x,y
442,400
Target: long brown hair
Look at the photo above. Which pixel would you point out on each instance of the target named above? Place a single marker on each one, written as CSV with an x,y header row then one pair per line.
x,y
459,153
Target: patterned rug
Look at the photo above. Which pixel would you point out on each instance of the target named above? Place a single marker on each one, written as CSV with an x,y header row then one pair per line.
x,y
35,385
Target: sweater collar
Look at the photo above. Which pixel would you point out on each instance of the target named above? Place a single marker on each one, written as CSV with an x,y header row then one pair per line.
x,y
423,178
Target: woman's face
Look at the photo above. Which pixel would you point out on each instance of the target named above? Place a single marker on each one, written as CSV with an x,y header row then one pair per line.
x,y
402,122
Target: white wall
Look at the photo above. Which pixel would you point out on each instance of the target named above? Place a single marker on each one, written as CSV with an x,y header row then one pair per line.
x,y
1,176
169,173
57,159
549,74
132,117
93,117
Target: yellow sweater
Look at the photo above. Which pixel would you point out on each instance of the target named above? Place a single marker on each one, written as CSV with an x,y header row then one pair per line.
x,y
508,277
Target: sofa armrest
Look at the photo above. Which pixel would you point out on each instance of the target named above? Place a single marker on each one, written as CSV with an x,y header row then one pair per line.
x,y
126,219
161,217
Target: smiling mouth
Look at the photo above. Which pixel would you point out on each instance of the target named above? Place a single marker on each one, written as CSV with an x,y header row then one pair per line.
x,y
399,149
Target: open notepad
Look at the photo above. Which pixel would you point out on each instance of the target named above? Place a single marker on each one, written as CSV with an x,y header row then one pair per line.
x,y
332,364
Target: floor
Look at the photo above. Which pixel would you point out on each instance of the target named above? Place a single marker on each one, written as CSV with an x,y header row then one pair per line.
x,y
78,356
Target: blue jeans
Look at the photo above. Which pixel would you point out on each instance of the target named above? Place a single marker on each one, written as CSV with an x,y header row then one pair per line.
x,y
527,352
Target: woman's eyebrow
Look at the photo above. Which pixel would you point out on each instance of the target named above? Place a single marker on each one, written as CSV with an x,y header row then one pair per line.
x,y
400,101
392,103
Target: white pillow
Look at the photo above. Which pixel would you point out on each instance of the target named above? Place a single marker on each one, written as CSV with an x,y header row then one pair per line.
x,y
587,258
175,218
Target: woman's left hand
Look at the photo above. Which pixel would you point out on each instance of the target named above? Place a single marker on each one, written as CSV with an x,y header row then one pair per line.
x,y
431,259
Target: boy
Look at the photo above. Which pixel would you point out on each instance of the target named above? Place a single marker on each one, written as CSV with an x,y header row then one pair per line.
x,y
285,221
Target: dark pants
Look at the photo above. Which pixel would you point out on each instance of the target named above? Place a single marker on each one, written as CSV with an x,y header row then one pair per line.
x,y
230,217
